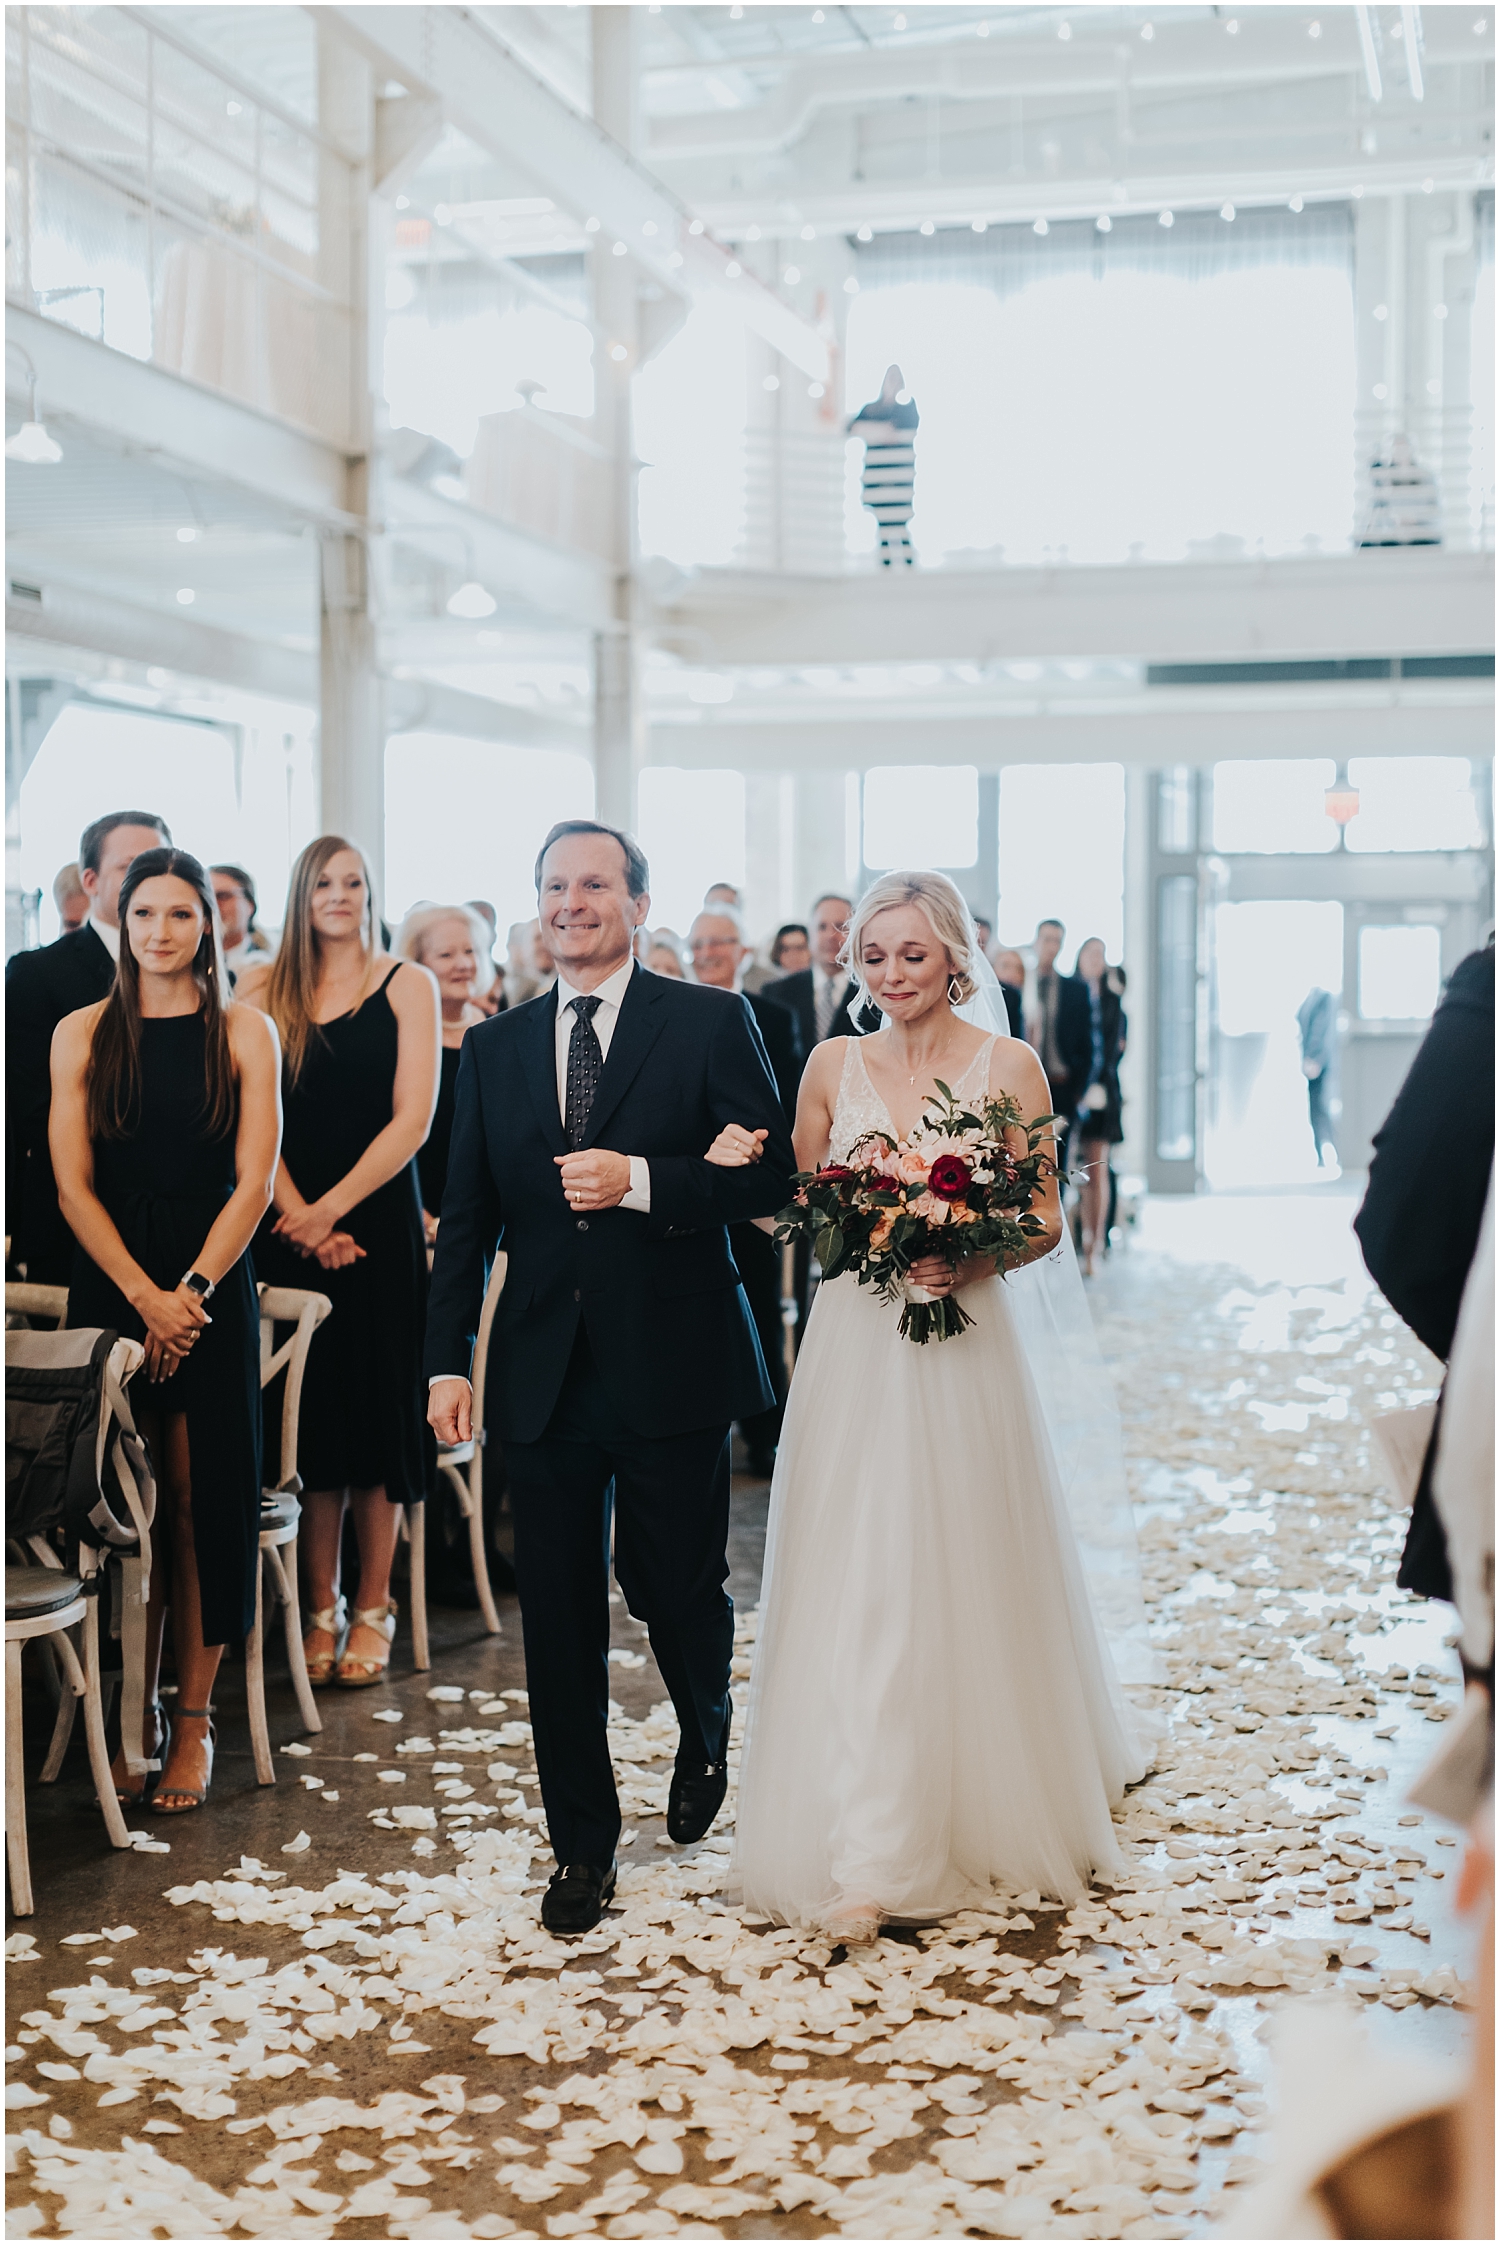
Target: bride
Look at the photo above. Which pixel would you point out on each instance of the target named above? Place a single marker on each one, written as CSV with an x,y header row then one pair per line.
x,y
933,1708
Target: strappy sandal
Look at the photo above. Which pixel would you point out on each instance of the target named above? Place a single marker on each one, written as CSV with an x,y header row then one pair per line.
x,y
356,1670
152,1772
185,1798
332,1622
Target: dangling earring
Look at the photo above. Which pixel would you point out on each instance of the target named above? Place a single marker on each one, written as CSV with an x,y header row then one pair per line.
x,y
955,991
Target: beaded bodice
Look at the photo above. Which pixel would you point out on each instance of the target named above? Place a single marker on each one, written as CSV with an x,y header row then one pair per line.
x,y
859,1109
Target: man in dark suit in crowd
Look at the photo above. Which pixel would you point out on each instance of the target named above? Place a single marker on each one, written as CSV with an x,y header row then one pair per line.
x,y
1317,1026
819,995
40,988
623,1347
1060,1029
1418,1225
720,953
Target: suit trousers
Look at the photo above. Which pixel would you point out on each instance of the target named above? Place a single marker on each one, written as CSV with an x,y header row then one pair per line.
x,y
669,1498
759,1260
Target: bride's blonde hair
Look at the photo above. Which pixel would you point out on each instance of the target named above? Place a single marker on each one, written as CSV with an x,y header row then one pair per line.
x,y
945,910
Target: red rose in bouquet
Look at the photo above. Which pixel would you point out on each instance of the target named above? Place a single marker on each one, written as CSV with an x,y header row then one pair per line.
x,y
949,1177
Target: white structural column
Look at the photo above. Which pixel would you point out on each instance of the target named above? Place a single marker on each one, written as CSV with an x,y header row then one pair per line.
x,y
351,726
619,735
820,842
1140,964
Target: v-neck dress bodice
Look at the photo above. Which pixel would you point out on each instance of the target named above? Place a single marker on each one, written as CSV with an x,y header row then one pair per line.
x,y
859,1111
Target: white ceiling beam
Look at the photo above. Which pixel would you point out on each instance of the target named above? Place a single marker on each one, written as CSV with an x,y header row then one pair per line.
x,y
1410,601
67,619
1160,727
178,424
1272,48
488,93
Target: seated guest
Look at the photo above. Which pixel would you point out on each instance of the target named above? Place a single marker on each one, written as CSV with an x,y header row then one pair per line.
x,y
719,953
790,952
165,1123
40,987
452,942
234,895
71,898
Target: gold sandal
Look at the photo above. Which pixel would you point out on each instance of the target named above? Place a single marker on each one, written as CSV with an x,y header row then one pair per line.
x,y
332,1622
356,1670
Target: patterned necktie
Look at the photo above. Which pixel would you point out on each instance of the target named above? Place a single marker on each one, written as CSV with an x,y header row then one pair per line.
x,y
585,1061
825,1004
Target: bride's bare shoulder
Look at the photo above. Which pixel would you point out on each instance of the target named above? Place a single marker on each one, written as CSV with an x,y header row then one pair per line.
x,y
1014,1067
825,1064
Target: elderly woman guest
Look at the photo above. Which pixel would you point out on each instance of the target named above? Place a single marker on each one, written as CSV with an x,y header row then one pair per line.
x,y
663,954
360,1034
164,1130
452,942
236,902
1100,1116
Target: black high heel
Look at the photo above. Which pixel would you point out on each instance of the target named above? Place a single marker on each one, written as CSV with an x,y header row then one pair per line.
x,y
149,1777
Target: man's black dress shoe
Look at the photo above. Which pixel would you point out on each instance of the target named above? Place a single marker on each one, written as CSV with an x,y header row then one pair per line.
x,y
576,1898
696,1797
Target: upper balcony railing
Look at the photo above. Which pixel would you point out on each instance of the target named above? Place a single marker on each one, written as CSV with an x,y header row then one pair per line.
x,y
169,210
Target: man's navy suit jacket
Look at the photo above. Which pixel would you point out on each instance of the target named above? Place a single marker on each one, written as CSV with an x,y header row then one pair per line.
x,y
659,1295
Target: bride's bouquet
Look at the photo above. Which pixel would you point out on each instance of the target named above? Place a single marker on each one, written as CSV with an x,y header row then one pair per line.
x,y
954,1188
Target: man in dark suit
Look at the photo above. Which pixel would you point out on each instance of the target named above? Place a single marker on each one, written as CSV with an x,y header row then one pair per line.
x,y
40,988
1418,1224
623,1348
820,994
720,954
1059,1026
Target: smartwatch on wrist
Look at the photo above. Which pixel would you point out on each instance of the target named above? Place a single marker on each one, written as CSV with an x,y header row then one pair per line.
x,y
196,1283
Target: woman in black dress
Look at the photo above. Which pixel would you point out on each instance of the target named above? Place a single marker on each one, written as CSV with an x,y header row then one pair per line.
x,y
1100,1119
450,940
164,1131
360,1077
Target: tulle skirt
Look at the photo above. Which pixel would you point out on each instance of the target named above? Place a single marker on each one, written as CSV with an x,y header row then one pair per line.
x,y
933,1709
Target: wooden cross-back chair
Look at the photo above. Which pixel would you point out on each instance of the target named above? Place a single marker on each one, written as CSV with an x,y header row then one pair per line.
x,y
281,1514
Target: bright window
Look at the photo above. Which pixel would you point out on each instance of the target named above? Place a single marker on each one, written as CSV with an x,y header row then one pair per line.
x,y
465,819
1273,805
1400,973
1081,418
921,815
1062,853
692,829
1414,803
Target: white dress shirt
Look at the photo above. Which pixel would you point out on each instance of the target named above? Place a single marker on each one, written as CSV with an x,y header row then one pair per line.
x,y
109,937
606,1015
610,995
827,991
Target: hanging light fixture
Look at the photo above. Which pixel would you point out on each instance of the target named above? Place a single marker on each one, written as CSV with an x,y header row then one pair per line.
x,y
31,445
472,602
1341,802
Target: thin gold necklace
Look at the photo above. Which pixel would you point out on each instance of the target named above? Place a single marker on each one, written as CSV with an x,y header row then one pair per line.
x,y
937,1056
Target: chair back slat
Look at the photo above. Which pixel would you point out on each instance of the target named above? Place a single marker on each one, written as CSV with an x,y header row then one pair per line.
x,y
304,1312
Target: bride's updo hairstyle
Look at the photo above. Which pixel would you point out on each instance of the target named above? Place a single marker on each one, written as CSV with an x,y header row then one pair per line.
x,y
945,910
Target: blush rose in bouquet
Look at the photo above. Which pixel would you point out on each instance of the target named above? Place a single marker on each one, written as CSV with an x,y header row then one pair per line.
x,y
958,1187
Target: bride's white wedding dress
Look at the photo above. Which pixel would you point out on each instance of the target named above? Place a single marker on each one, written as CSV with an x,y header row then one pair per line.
x,y
933,1707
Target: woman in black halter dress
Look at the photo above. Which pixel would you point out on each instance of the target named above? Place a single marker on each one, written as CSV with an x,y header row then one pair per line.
x,y
360,1032
164,1167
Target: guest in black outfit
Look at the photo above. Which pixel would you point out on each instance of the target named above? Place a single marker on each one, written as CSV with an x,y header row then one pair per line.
x,y
719,951
1059,1030
165,1122
1101,1123
40,987
820,994
360,1082
1419,1222
579,1147
451,941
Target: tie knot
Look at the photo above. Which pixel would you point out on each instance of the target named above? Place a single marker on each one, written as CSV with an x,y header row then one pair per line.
x,y
586,1008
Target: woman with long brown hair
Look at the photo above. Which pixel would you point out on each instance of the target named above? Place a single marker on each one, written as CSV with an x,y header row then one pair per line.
x,y
164,1132
360,1033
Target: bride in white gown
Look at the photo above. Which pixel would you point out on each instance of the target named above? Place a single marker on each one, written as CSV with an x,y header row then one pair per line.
x,y
933,1708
